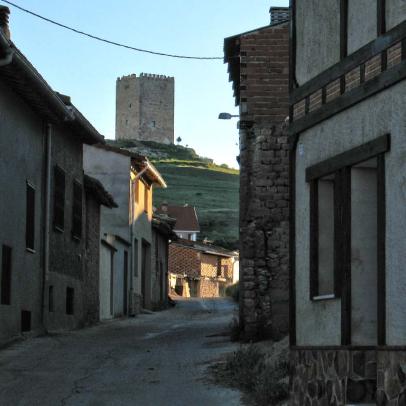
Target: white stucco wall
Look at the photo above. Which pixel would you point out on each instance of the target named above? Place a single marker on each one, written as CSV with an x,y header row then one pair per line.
x,y
317,323
113,171
362,23
317,37
395,12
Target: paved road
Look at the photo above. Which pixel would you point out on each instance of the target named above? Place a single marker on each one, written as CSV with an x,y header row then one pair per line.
x,y
152,360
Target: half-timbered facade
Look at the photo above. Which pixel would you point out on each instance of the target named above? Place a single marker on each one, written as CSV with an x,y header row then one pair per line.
x,y
348,220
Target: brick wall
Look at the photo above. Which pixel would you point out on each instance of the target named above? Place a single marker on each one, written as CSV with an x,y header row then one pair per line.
x,y
264,183
184,260
208,288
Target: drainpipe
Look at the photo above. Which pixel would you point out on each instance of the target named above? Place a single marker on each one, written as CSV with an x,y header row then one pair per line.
x,y
48,143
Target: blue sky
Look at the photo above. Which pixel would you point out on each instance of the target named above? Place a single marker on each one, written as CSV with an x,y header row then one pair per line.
x,y
87,70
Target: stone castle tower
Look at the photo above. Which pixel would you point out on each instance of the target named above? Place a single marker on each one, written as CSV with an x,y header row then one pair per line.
x,y
145,108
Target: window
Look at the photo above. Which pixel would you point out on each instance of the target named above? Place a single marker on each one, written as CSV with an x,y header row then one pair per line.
x,y
30,218
77,210
70,295
50,298
5,275
59,198
325,213
346,195
153,124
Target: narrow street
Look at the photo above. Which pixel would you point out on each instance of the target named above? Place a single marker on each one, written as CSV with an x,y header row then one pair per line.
x,y
152,360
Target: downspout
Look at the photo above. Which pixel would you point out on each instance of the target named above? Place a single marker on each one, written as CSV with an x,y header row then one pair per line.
x,y
47,216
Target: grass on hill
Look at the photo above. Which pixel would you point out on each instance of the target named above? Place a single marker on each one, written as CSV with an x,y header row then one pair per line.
x,y
197,181
213,193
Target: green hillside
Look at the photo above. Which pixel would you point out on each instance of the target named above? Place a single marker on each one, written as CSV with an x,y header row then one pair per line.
x,y
196,181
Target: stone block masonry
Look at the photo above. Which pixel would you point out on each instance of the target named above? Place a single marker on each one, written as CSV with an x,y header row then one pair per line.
x,y
145,108
264,182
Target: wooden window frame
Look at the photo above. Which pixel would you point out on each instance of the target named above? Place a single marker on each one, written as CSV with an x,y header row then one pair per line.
x,y
30,218
77,210
341,164
59,195
341,180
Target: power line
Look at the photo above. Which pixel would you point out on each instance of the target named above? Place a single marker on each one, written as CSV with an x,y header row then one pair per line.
x,y
108,41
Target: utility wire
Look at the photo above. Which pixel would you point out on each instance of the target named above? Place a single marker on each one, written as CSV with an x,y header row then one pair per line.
x,y
108,41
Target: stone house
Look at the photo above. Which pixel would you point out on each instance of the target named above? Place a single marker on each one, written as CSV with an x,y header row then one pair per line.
x,y
126,231
258,66
348,92
187,224
42,234
200,270
145,108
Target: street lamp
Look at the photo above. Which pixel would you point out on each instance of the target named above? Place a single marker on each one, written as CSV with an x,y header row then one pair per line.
x,y
227,116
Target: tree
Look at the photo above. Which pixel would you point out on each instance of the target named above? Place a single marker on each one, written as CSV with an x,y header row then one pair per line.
x,y
178,140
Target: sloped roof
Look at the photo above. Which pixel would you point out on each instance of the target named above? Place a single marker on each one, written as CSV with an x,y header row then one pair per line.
x,y
186,217
96,188
28,83
140,162
206,248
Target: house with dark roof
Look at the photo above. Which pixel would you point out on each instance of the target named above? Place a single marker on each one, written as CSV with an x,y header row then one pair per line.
x,y
43,232
187,224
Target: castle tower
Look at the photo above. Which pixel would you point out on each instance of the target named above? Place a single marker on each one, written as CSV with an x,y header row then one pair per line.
x,y
145,108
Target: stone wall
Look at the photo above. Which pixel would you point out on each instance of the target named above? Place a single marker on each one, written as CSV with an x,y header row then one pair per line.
x,y
91,276
333,377
391,378
264,183
264,233
208,288
145,108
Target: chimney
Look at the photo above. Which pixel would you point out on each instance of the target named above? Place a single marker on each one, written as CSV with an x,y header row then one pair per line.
x,y
279,14
4,13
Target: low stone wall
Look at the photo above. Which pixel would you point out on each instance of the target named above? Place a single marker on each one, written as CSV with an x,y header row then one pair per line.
x,y
333,377
391,376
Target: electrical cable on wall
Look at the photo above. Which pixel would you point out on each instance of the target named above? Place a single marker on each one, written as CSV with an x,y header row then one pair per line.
x,y
109,41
